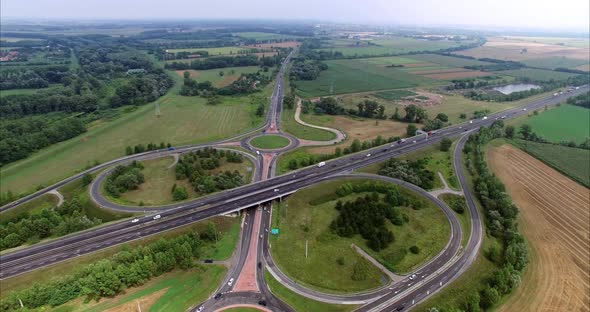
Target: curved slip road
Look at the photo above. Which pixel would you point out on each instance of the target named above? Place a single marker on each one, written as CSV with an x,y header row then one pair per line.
x,y
340,136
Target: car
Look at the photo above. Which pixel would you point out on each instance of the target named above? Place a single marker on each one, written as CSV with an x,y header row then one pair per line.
x,y
135,220
414,141
384,150
199,309
260,235
260,265
208,261
460,127
413,276
262,303
503,117
369,155
524,109
230,282
276,190
484,118
471,121
257,152
400,308
266,230
156,217
577,88
218,296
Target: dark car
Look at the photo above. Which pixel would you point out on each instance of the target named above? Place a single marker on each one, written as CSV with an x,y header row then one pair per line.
x,y
262,303
208,260
218,296
400,308
260,265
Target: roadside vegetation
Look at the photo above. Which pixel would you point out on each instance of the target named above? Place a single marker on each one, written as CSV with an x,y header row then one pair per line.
x,y
419,230
115,277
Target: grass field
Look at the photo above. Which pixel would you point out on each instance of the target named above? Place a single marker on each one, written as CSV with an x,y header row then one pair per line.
x,y
32,207
174,291
579,42
358,75
270,141
555,62
572,162
386,45
563,123
183,120
159,178
290,125
394,94
553,217
447,60
300,303
229,228
300,220
536,74
230,74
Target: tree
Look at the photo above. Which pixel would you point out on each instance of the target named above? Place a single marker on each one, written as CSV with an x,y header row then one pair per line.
x,y
128,150
411,130
396,115
442,117
86,179
445,144
260,110
509,130
179,193
525,131
463,116
186,74
489,297
293,164
355,146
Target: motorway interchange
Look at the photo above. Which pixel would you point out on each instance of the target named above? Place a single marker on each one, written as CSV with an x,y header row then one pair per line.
x,y
256,198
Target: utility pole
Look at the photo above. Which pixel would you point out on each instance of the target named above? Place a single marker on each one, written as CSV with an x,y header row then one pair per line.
x,y
138,307
306,249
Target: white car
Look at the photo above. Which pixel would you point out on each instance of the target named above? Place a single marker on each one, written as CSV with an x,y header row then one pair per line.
x,y
134,220
413,141
485,117
200,309
369,155
276,190
524,109
156,217
230,282
257,152
471,121
413,276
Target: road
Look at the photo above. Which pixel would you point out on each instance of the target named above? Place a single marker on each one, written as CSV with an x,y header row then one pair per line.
x,y
404,294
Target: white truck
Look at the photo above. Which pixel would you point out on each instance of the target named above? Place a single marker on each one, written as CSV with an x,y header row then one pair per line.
x,y
321,164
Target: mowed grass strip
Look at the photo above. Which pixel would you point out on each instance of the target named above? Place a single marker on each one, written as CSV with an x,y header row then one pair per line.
x,y
359,75
270,141
299,221
563,123
536,74
300,303
183,120
573,162
290,125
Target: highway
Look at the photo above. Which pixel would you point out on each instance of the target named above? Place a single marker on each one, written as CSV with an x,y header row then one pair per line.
x,y
438,272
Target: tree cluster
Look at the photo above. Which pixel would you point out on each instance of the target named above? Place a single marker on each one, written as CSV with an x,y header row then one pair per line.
x,y
50,222
124,178
582,100
140,148
31,77
225,61
366,215
197,167
413,171
21,137
109,277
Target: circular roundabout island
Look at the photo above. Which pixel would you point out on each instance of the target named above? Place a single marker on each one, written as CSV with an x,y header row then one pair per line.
x,y
270,141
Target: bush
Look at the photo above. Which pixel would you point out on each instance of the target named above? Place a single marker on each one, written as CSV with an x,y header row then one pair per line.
x,y
415,249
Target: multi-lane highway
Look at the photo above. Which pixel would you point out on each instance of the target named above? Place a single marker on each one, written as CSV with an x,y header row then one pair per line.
x,y
439,272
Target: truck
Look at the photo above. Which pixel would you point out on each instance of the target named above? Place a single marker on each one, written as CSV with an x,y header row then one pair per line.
x,y
321,164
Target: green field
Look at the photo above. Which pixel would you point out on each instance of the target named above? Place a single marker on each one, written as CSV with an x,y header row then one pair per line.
x,y
573,162
358,75
300,303
386,45
563,123
290,125
183,120
230,74
447,60
554,62
263,36
394,94
270,141
215,51
159,178
536,74
307,214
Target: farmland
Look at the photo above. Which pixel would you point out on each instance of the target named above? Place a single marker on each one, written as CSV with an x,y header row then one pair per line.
x,y
518,50
262,36
387,46
536,74
349,76
215,51
230,74
572,162
183,120
307,214
558,277
563,123
555,62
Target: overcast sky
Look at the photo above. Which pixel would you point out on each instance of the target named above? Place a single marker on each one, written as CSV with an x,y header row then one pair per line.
x,y
536,14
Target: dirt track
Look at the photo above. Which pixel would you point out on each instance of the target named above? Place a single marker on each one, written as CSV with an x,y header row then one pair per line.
x,y
555,218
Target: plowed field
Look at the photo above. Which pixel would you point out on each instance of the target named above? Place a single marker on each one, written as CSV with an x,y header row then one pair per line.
x,y
555,218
